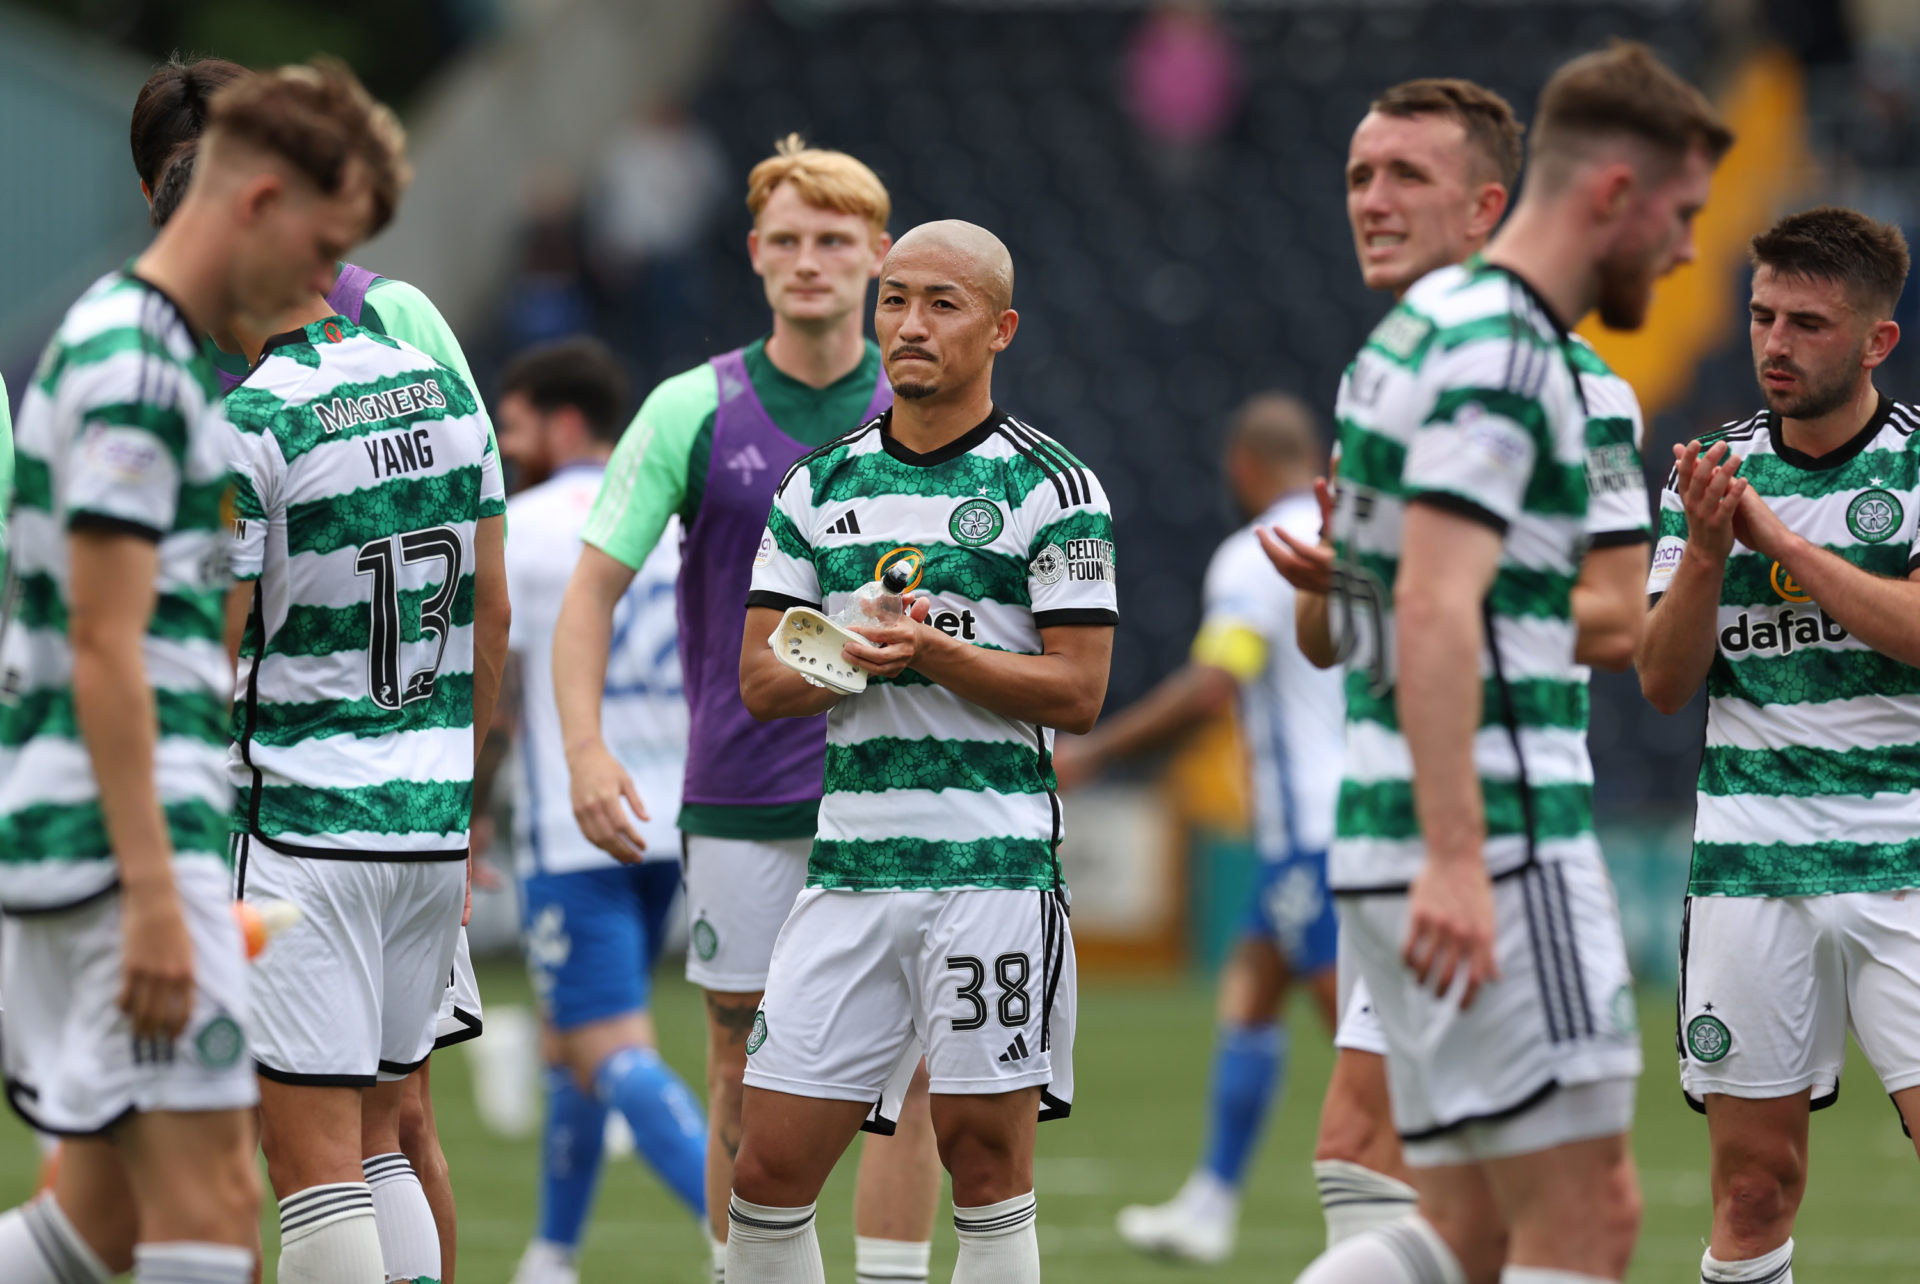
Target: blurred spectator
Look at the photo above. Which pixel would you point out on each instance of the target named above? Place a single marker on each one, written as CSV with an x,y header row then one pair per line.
x,y
656,193
548,296
1183,76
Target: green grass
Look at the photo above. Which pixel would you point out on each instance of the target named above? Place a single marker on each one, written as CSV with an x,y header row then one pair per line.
x,y
1141,1061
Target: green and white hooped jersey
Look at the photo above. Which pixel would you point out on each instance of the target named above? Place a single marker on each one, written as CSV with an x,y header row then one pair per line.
x,y
1011,534
120,431
1619,510
1465,397
1810,777
361,469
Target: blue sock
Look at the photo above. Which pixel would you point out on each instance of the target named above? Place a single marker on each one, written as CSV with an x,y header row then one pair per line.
x,y
1248,1064
669,1127
569,1158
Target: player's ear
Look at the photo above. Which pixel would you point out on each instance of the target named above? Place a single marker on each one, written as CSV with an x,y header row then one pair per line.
x,y
753,250
1612,190
882,246
1003,330
147,193
259,194
1489,205
1880,343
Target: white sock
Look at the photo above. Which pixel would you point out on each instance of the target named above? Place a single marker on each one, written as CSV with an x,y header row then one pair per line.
x,y
186,1262
1774,1268
772,1245
409,1240
718,1247
998,1244
40,1246
328,1236
1410,1251
879,1260
1355,1198
1549,1275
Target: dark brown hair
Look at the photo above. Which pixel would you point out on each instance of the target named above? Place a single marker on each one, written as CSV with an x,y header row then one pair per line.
x,y
1492,128
581,373
171,112
1625,91
171,187
317,118
1828,243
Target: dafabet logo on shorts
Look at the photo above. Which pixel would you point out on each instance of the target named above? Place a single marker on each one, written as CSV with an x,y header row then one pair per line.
x,y
758,1035
1708,1038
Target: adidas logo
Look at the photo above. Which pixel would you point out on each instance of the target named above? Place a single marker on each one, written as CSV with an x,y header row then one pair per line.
x,y
847,525
1017,1050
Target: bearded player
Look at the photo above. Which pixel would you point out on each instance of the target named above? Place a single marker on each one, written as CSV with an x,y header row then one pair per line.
x,y
1465,852
709,445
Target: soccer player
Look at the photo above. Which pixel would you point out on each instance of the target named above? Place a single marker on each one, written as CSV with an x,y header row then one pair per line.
x,y
933,918
168,117
127,1017
1476,904
368,515
1429,170
593,924
710,445
1784,580
1291,722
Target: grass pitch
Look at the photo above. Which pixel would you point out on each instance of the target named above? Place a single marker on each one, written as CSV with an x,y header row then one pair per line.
x,y
1141,1061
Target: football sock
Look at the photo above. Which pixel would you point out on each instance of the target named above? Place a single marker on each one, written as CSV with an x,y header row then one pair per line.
x,y
409,1240
328,1236
1355,1198
1549,1275
1408,1252
998,1243
1774,1268
876,1261
772,1245
576,1132
718,1247
40,1246
187,1262
669,1127
1248,1063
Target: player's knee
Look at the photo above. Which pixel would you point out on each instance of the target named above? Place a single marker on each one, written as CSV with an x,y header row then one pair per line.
x,y
1616,1214
1355,1122
220,1206
984,1166
762,1176
1756,1197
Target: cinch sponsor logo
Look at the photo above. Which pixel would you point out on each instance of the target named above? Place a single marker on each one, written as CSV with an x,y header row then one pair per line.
x,y
1782,633
395,403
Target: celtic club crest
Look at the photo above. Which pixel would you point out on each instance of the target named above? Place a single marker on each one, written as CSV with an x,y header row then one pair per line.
x,y
1708,1038
1873,516
976,522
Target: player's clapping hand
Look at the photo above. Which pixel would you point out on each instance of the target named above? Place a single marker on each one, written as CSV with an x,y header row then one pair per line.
x,y
156,974
1759,527
602,791
1450,927
891,647
1308,567
1710,489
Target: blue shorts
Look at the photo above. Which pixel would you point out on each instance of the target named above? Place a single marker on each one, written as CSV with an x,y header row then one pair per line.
x,y
592,937
1293,909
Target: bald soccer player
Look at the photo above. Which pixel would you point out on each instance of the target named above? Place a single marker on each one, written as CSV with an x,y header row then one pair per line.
x,y
934,913
1291,715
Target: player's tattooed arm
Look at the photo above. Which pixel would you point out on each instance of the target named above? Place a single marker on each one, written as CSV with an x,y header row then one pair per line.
x,y
732,1018
769,688
1882,612
1677,645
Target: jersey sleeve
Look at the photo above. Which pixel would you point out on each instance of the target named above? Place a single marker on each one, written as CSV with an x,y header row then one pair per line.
x,y
1477,448
124,468
493,483
6,462
646,480
1670,537
1617,503
1070,560
1246,607
257,469
784,573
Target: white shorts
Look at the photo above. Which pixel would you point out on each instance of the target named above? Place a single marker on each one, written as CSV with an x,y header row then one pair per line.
x,y
349,995
980,981
459,1016
1560,1015
738,894
1359,1024
72,1064
1769,987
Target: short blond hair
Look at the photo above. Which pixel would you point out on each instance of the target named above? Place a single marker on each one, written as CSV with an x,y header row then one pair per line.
x,y
824,179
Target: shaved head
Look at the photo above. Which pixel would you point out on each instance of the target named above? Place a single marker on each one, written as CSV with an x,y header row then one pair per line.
x,y
1279,428
973,256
